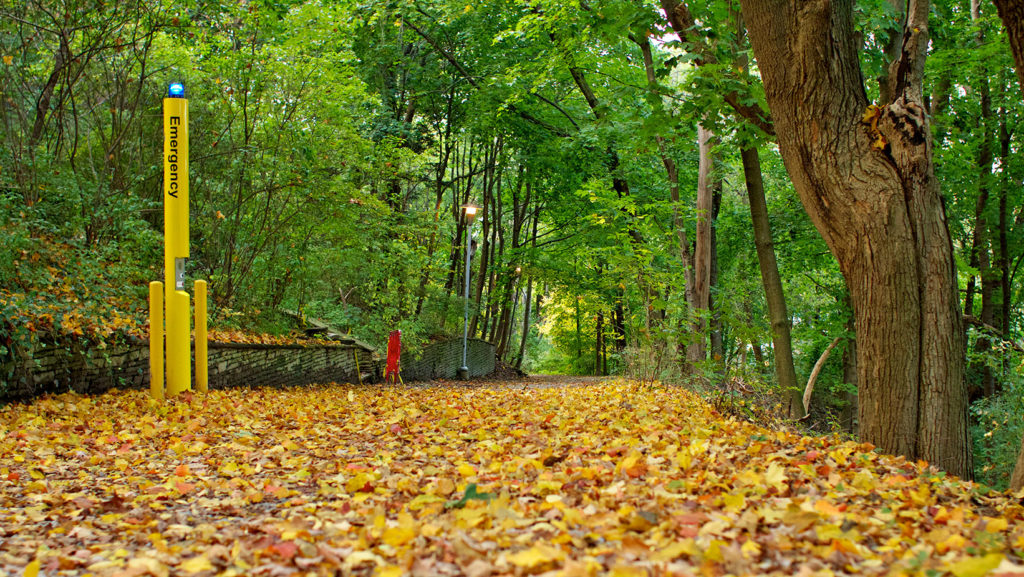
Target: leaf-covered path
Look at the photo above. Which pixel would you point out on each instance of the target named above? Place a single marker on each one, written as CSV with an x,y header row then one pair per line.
x,y
606,479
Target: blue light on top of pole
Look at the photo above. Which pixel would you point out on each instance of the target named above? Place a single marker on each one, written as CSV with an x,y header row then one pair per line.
x,y
176,90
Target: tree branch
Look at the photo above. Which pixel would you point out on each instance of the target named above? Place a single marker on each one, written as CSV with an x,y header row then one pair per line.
x,y
558,108
472,81
809,389
992,331
682,22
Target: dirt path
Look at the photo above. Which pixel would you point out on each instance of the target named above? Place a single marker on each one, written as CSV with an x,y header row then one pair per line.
x,y
548,475
527,382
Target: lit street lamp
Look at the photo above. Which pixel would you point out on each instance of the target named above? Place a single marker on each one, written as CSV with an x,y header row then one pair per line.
x,y
470,212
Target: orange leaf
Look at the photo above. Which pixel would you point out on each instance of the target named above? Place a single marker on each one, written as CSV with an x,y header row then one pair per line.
x,y
286,549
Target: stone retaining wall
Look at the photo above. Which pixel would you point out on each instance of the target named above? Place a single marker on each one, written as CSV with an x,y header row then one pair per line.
x,y
57,369
286,365
442,360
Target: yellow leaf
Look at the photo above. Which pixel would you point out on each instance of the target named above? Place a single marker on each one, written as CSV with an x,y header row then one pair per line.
x,y
422,501
8,60
634,465
750,549
714,551
677,549
775,476
827,532
196,564
357,483
864,480
870,113
536,557
398,536
799,518
684,460
390,571
466,470
996,525
954,542
734,503
627,571
976,566
32,569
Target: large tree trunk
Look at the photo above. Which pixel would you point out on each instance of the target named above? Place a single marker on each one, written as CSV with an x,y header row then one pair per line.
x,y
865,177
774,295
1012,14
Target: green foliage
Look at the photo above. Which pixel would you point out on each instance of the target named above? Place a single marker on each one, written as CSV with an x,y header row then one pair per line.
x,y
996,427
333,144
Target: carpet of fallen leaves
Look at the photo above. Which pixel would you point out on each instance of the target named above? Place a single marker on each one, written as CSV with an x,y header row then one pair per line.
x,y
504,479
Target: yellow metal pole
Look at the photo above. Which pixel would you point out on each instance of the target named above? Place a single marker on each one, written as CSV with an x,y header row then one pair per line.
x,y
176,249
156,340
202,366
179,357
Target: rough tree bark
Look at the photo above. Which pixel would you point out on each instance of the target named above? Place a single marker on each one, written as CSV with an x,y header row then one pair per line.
x,y
1012,14
865,177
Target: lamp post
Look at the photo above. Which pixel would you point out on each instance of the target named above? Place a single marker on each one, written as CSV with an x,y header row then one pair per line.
x,y
470,211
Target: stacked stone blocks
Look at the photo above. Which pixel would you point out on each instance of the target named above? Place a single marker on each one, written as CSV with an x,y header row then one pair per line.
x,y
91,370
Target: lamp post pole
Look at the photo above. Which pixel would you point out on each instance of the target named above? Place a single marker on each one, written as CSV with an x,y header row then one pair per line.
x,y
470,212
